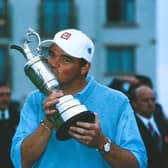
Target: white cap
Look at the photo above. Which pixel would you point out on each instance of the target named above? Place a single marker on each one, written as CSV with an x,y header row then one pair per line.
x,y
73,42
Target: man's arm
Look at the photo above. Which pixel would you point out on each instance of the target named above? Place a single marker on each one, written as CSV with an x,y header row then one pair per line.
x,y
120,158
90,134
34,145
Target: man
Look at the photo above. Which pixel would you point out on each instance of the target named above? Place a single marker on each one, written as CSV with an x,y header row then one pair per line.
x,y
9,115
125,83
152,128
113,140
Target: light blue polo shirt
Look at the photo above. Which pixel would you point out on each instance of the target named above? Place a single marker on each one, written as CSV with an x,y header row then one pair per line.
x,y
117,122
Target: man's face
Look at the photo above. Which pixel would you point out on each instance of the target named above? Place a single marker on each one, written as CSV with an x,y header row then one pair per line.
x,y
5,93
145,102
66,68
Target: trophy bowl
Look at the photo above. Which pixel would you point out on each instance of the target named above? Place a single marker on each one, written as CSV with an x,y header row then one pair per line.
x,y
62,132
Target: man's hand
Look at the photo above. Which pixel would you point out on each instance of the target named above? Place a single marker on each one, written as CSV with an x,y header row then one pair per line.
x,y
50,102
88,133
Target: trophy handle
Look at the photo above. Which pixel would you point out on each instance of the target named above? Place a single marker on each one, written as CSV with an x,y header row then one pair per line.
x,y
26,51
20,49
30,33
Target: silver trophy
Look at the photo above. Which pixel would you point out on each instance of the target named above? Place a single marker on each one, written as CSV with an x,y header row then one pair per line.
x,y
69,110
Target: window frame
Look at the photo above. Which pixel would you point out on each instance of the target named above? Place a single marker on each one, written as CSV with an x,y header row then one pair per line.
x,y
120,22
120,48
5,19
7,63
72,19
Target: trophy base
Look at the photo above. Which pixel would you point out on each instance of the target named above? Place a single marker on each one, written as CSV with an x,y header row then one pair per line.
x,y
62,132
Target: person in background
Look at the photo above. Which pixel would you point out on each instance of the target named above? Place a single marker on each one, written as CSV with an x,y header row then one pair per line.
x,y
159,112
113,140
9,115
123,84
142,79
152,129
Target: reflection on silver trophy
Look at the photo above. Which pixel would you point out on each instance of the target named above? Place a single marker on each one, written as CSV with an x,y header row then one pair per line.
x,y
69,109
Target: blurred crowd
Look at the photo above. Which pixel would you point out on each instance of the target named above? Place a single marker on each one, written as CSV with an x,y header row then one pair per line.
x,y
9,117
150,117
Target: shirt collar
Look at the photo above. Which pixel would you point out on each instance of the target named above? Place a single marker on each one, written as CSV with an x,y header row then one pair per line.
x,y
145,120
85,92
6,114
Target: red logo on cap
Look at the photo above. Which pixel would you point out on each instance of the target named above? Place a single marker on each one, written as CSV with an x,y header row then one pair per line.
x,y
65,35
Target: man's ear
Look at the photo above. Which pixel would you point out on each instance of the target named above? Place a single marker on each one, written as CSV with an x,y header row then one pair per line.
x,y
85,68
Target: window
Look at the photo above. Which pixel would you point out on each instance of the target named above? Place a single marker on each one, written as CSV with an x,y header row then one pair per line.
x,y
4,19
120,60
4,63
56,15
121,11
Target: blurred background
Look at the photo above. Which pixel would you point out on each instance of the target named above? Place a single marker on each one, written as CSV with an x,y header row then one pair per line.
x,y
130,37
